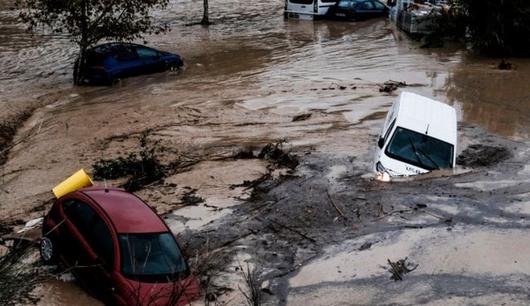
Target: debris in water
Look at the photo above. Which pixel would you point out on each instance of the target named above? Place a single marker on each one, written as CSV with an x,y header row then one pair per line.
x,y
479,155
191,198
275,152
399,268
383,177
244,154
301,117
365,246
420,206
504,65
390,86
31,224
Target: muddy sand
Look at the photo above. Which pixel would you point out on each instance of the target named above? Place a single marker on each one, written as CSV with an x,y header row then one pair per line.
x,y
320,232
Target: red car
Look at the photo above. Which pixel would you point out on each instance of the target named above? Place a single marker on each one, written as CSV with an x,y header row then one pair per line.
x,y
118,248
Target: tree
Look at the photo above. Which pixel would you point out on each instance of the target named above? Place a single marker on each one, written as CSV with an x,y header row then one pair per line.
x,y
90,21
205,19
497,27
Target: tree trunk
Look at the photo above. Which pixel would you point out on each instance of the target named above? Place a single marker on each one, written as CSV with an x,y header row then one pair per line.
x,y
205,19
80,66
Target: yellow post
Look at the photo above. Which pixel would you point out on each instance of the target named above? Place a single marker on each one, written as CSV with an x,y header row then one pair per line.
x,y
77,181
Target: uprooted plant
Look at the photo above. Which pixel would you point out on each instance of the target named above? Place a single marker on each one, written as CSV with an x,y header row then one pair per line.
x,y
206,265
252,292
276,152
141,168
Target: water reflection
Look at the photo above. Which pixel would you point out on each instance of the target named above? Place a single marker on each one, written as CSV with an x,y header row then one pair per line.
x,y
499,100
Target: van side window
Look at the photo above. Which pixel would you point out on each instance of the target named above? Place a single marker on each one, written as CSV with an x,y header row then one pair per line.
x,y
390,127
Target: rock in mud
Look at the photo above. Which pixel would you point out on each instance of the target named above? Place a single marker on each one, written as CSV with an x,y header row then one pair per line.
x,y
301,117
479,155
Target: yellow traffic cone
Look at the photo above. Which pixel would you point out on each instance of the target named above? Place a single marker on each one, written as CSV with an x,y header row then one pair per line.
x,y
77,181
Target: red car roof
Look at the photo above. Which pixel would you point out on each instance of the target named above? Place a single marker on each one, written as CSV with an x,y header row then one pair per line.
x,y
127,212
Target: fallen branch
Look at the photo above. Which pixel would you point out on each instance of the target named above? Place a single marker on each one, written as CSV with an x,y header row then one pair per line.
x,y
335,206
288,228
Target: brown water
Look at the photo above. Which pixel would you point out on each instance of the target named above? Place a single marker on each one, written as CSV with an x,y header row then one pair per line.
x,y
249,63
252,51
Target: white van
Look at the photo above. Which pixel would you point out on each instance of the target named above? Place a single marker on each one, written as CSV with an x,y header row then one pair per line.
x,y
419,136
307,9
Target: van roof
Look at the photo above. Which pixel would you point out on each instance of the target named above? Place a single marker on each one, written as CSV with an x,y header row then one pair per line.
x,y
427,116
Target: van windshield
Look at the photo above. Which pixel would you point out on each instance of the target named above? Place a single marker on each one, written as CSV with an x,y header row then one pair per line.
x,y
151,257
420,150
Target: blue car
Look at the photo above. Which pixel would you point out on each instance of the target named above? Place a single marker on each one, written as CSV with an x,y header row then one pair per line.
x,y
108,62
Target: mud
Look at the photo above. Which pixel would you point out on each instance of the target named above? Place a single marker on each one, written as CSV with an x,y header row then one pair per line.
x,y
482,155
300,215
8,129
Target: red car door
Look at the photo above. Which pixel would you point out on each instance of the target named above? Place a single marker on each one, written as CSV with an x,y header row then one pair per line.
x,y
101,241
83,224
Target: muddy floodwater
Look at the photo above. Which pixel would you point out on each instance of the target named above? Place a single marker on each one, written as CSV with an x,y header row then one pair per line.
x,y
245,78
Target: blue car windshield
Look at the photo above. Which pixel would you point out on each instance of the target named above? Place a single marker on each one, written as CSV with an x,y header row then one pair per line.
x,y
420,150
151,257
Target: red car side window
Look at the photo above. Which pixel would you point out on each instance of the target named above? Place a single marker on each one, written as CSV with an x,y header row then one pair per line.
x,y
93,229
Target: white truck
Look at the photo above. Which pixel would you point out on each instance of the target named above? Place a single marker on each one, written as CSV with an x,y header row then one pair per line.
x,y
419,135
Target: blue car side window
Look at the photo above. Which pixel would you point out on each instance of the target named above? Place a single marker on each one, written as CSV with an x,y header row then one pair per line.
x,y
125,54
365,6
379,6
147,53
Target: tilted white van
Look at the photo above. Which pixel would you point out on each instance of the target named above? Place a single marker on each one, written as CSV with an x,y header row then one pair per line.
x,y
419,135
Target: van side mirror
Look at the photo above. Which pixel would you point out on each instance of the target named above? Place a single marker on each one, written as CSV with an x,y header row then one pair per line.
x,y
381,142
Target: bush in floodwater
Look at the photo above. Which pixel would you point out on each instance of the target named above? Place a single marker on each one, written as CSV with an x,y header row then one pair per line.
x,y
496,27
142,168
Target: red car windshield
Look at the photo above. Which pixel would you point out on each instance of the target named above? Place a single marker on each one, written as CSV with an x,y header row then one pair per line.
x,y
151,257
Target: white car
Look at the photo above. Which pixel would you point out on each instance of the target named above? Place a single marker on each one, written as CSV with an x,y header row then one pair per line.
x,y
419,135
